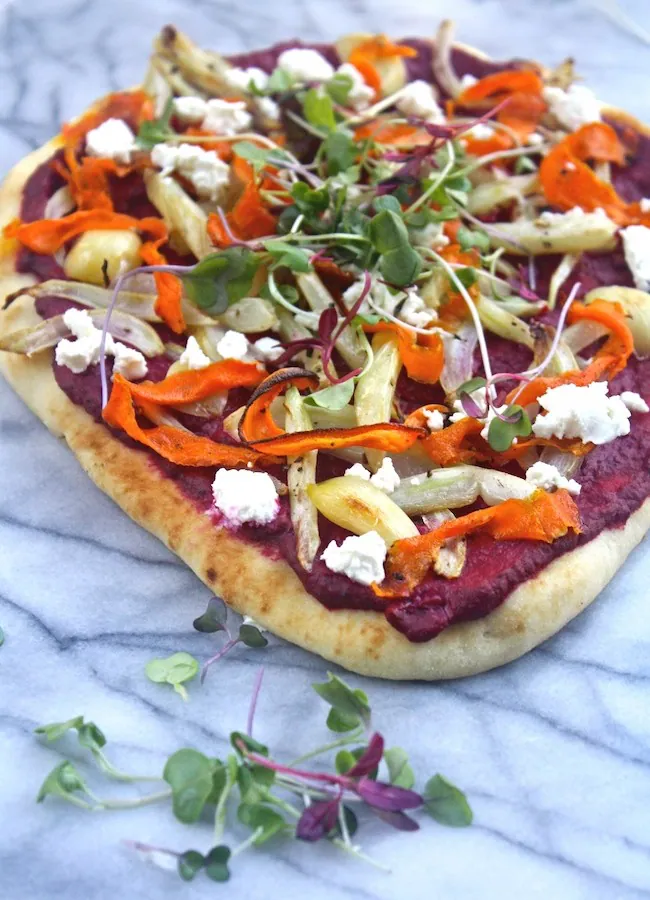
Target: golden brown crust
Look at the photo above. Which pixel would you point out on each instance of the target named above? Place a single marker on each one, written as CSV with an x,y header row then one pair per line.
x,y
270,592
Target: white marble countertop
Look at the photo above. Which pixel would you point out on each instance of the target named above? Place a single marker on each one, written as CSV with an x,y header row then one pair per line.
x,y
553,750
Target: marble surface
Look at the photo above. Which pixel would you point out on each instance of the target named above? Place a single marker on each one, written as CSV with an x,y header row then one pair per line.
x,y
553,750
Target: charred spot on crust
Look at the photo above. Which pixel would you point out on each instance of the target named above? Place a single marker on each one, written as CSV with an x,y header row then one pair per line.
x,y
168,35
211,575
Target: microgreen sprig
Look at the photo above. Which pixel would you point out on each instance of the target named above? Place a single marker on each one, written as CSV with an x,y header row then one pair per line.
x,y
274,799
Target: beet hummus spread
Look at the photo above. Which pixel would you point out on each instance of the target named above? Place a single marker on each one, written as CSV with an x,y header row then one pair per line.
x,y
614,477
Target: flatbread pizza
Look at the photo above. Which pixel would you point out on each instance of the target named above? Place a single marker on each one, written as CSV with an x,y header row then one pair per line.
x,y
359,331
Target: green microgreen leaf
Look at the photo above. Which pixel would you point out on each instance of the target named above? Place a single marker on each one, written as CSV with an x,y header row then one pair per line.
x,y
56,730
351,822
216,863
279,82
285,254
339,87
237,738
343,761
214,618
252,636
2,637
466,276
259,816
400,263
62,781
399,771
257,156
468,239
310,201
468,387
318,110
91,737
340,151
156,131
446,803
501,434
344,699
190,864
334,397
340,722
190,776
401,266
175,670
221,278
387,201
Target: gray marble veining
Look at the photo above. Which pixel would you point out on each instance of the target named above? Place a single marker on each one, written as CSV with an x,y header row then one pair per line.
x,y
554,750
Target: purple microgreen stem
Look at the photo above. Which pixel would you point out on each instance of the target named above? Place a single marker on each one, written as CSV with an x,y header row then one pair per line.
x,y
253,705
227,647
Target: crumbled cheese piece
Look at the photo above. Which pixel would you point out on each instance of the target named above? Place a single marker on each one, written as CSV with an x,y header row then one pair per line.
x,y
226,117
585,412
467,81
634,402
418,479
245,496
574,217
480,132
268,348
242,78
190,110
548,478
192,356
360,93
218,116
79,322
361,557
379,294
418,99
303,64
203,169
414,310
233,345
386,478
358,471
78,355
644,204
129,362
435,419
535,139
113,139
636,247
431,235
576,106
269,108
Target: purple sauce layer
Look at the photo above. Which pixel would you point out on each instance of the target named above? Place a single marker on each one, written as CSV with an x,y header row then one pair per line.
x,y
615,478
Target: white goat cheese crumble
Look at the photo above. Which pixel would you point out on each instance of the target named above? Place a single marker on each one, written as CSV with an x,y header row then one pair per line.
x,y
303,64
418,99
203,169
192,356
573,107
414,310
245,496
242,78
360,557
358,471
434,418
113,139
233,345
548,478
78,355
386,478
268,348
634,402
584,412
218,116
636,247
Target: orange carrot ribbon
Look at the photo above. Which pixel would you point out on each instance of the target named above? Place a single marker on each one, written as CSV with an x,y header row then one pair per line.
x,y
180,447
391,437
423,355
541,517
257,422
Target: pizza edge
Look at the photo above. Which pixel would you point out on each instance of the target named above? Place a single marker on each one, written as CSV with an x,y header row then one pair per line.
x,y
362,641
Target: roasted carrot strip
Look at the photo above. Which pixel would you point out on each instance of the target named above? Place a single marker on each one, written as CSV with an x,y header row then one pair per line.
x,y
381,47
180,447
197,384
257,422
386,436
49,235
169,288
512,81
607,362
542,517
400,135
417,419
454,443
422,360
597,141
